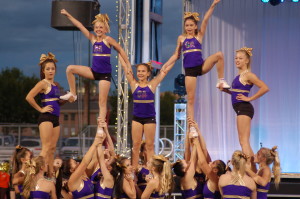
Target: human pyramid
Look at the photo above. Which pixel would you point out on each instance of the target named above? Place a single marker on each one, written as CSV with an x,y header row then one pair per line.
x,y
104,174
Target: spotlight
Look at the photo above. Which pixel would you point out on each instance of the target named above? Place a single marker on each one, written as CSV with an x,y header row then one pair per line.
x,y
275,2
295,1
265,1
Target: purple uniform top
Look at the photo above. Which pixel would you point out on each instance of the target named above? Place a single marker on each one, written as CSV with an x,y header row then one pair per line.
x,y
262,191
197,192
143,102
239,87
39,195
86,190
102,193
192,55
236,191
210,194
157,195
51,98
101,58
141,176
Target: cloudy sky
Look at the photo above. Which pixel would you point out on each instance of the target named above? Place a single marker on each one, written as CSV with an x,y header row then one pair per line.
x,y
26,33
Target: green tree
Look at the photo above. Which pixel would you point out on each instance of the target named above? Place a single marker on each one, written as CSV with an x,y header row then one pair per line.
x,y
167,108
14,86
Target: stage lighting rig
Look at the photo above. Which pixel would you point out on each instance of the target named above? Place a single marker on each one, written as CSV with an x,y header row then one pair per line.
x,y
276,2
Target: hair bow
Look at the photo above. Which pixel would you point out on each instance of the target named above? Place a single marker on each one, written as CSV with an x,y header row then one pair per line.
x,y
273,150
192,14
44,57
248,50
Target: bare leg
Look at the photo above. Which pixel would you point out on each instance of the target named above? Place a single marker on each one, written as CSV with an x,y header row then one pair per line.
x,y
83,71
190,85
217,59
104,87
149,130
244,127
137,134
49,137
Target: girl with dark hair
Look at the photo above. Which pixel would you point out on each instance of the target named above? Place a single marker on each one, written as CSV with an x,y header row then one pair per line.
x,y
21,155
144,116
212,170
142,171
194,65
125,185
35,185
49,118
79,183
237,184
265,157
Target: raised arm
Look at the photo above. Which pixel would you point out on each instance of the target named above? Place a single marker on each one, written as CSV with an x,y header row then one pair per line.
x,y
107,177
177,52
75,178
206,18
263,88
128,72
261,180
119,49
162,74
79,25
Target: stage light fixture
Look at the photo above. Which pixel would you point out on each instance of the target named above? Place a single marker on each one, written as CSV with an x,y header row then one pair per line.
x,y
275,2
295,1
265,1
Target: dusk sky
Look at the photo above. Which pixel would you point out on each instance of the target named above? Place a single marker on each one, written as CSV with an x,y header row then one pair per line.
x,y
26,34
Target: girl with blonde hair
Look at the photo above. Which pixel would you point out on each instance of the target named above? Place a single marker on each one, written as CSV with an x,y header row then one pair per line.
x,y
35,185
265,157
101,67
160,179
237,184
240,98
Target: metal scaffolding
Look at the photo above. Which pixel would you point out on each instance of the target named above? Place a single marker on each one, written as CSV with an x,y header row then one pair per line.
x,y
179,130
122,115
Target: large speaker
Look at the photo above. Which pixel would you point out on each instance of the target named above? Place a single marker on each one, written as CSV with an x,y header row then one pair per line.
x,y
83,11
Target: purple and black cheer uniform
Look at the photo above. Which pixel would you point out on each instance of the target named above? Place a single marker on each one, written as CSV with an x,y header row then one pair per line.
x,y
241,107
101,67
50,98
196,193
236,191
192,57
143,105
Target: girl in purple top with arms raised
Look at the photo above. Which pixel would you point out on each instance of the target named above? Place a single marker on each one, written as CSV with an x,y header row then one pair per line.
x,y
49,118
143,92
241,86
194,65
101,67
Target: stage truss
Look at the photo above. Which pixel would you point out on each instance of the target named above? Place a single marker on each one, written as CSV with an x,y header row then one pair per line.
x,y
123,8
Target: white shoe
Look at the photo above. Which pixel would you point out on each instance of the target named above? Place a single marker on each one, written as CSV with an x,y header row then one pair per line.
x,y
193,132
222,81
67,96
